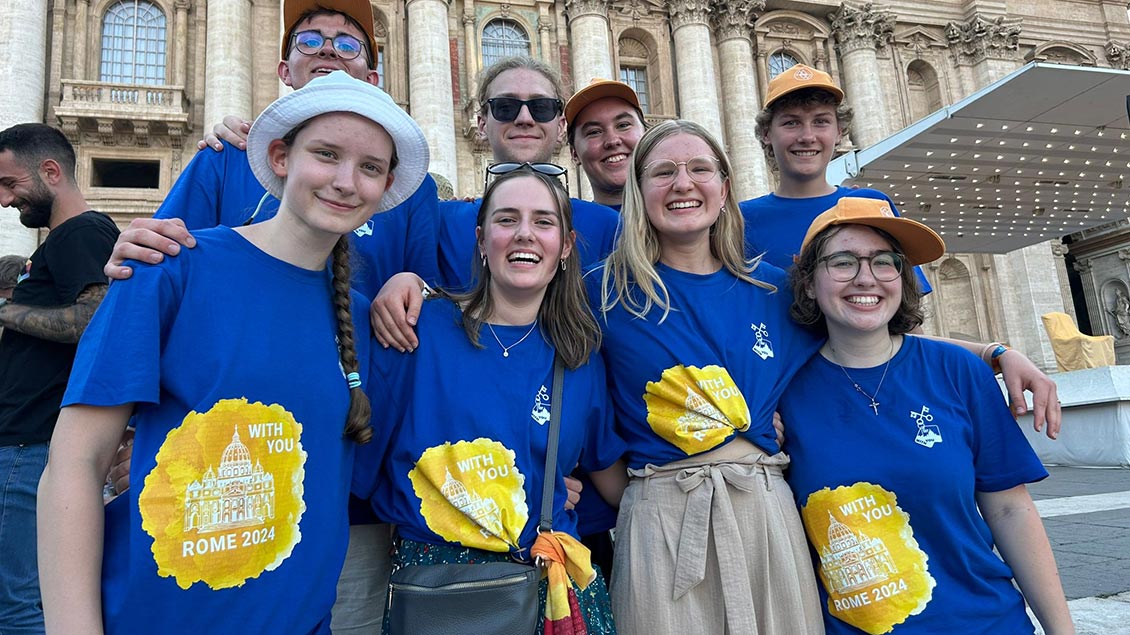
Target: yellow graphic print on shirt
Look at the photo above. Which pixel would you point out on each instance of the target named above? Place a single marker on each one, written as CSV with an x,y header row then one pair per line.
x,y
871,566
696,409
224,500
471,492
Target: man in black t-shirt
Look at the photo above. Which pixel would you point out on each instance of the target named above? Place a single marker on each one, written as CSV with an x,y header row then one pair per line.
x,y
55,296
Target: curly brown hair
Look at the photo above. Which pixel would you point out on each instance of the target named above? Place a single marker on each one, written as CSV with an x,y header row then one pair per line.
x,y
802,276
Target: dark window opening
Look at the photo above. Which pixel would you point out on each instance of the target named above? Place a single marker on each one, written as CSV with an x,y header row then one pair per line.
x,y
132,174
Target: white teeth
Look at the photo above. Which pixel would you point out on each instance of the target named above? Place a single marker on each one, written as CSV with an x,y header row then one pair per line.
x,y
524,257
806,153
866,300
684,205
616,159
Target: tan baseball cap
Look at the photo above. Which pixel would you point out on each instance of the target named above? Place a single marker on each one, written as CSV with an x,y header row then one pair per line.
x,y
920,243
599,89
799,77
359,10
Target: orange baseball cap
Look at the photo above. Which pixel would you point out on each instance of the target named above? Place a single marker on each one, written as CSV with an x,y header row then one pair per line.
x,y
800,77
599,89
920,243
359,10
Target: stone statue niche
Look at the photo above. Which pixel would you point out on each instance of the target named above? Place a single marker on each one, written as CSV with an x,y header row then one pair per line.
x,y
1116,308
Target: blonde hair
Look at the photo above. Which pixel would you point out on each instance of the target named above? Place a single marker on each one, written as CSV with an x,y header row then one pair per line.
x,y
630,277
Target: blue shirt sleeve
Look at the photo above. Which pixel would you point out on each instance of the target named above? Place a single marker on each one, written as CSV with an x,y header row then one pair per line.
x,y
216,188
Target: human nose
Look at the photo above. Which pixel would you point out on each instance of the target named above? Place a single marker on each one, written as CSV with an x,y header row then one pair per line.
x,y
524,117
327,47
682,179
611,139
864,276
6,197
345,178
524,230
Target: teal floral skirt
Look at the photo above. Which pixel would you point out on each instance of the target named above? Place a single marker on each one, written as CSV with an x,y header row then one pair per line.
x,y
595,603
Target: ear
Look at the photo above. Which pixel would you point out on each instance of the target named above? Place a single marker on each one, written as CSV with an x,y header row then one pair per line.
x,y
482,124
725,189
561,129
570,240
479,241
374,78
573,155
50,172
276,157
284,73
809,292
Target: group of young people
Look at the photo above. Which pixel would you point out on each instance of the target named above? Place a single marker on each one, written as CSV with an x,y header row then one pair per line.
x,y
285,422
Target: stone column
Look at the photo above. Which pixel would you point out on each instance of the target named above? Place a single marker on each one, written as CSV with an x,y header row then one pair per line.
x,y
180,69
860,32
991,46
1029,288
590,40
545,26
23,28
471,50
78,60
733,23
694,64
227,80
429,83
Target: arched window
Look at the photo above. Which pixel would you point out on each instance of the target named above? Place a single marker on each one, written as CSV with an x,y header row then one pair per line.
x,y
634,56
133,43
780,62
503,38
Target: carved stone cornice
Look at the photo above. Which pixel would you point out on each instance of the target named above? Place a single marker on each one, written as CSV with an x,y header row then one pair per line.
x,y
577,8
1083,265
684,12
1118,55
978,38
734,18
862,26
636,9
179,5
545,24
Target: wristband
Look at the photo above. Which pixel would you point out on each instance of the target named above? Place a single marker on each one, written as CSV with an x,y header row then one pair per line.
x,y
994,357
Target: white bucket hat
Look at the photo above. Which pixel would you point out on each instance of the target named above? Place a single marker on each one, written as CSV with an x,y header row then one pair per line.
x,y
338,92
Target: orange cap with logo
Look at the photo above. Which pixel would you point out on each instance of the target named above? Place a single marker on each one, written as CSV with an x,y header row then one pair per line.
x,y
920,243
800,77
599,89
359,10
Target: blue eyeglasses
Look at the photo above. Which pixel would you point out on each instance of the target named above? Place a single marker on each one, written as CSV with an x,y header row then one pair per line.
x,y
345,45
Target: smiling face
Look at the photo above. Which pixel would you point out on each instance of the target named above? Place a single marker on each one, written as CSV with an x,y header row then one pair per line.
x,y
861,306
683,210
337,169
803,138
298,68
522,140
24,190
522,239
604,135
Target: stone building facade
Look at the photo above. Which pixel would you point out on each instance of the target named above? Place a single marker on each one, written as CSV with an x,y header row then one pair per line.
x,y
134,83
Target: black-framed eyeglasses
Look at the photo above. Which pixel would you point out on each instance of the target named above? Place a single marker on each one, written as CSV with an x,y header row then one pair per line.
x,y
662,172
345,45
843,266
542,109
549,169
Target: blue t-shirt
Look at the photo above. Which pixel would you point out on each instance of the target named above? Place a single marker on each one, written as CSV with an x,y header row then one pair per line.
x,y
714,368
218,188
775,225
468,431
888,499
240,471
595,224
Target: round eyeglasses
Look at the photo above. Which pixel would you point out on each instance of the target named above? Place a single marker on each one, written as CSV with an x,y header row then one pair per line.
x,y
843,266
662,172
549,169
345,45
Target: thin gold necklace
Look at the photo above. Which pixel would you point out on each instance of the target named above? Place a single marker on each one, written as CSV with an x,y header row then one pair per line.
x,y
506,349
874,404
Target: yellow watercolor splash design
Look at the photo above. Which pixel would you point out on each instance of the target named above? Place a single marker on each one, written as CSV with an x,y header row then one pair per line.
x,y
871,566
696,409
472,493
224,500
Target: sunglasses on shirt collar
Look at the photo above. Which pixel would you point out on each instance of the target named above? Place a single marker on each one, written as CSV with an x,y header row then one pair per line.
x,y
542,109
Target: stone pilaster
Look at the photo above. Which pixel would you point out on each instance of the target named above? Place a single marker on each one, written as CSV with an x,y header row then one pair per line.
x,y
180,68
471,55
590,40
733,24
990,46
861,30
227,80
694,63
1118,55
78,60
23,27
429,83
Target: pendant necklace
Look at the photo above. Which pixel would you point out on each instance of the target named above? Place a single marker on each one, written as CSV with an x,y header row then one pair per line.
x,y
506,349
874,404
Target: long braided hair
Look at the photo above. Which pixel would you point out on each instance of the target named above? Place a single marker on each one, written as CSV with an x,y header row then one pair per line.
x,y
357,422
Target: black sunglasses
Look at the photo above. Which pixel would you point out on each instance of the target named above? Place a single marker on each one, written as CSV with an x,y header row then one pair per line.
x,y
542,109
549,169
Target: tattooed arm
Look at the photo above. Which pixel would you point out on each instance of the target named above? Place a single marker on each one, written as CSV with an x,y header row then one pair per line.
x,y
55,323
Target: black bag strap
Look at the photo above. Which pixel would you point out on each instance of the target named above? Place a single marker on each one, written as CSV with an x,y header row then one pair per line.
x,y
555,405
